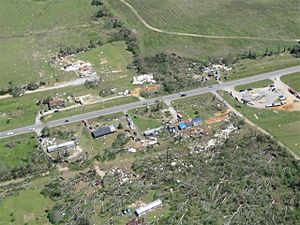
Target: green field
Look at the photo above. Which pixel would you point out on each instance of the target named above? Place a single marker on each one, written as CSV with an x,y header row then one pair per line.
x,y
14,150
110,61
146,119
257,84
27,206
210,17
203,106
21,111
92,107
282,125
86,142
31,33
293,80
248,67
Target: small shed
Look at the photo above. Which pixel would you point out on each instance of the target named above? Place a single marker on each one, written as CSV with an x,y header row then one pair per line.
x,y
103,131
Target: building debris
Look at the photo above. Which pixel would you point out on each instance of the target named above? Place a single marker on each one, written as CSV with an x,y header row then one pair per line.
x,y
144,79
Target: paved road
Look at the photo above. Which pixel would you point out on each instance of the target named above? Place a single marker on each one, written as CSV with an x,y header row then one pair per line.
x,y
202,35
167,99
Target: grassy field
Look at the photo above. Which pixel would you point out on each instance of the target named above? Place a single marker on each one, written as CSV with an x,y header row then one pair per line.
x,y
14,150
257,84
247,67
32,31
146,119
211,18
92,107
203,106
282,125
293,80
110,61
21,111
27,206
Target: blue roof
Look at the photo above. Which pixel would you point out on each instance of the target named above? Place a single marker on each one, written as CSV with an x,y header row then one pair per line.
x,y
182,126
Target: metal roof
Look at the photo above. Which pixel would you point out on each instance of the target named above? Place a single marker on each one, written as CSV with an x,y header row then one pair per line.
x,y
103,131
152,205
68,144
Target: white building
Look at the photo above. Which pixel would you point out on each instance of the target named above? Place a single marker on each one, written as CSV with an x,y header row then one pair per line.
x,y
65,145
149,207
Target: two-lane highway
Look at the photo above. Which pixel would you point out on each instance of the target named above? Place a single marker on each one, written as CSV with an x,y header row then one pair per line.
x,y
167,98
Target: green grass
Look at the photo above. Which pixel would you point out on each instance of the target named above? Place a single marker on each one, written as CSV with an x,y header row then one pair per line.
x,y
203,106
92,107
110,61
257,84
17,112
284,126
27,206
247,67
33,31
86,142
293,80
21,111
212,18
147,119
21,147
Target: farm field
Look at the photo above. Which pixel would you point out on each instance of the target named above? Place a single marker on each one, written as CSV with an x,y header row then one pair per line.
x,y
14,150
249,67
238,18
26,206
284,126
293,80
257,84
33,31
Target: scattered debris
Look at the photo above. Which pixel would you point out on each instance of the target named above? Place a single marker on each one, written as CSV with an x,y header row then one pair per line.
x,y
144,79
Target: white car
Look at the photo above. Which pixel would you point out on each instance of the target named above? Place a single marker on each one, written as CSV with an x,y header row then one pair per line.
x,y
9,133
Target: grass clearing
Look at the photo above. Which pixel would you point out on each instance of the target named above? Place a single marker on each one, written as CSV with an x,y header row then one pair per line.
x,y
21,111
211,18
149,117
248,67
284,126
203,106
293,80
92,107
110,61
14,150
257,84
27,206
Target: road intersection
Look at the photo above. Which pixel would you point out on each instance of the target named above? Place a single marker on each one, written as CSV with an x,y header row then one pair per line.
x,y
143,102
